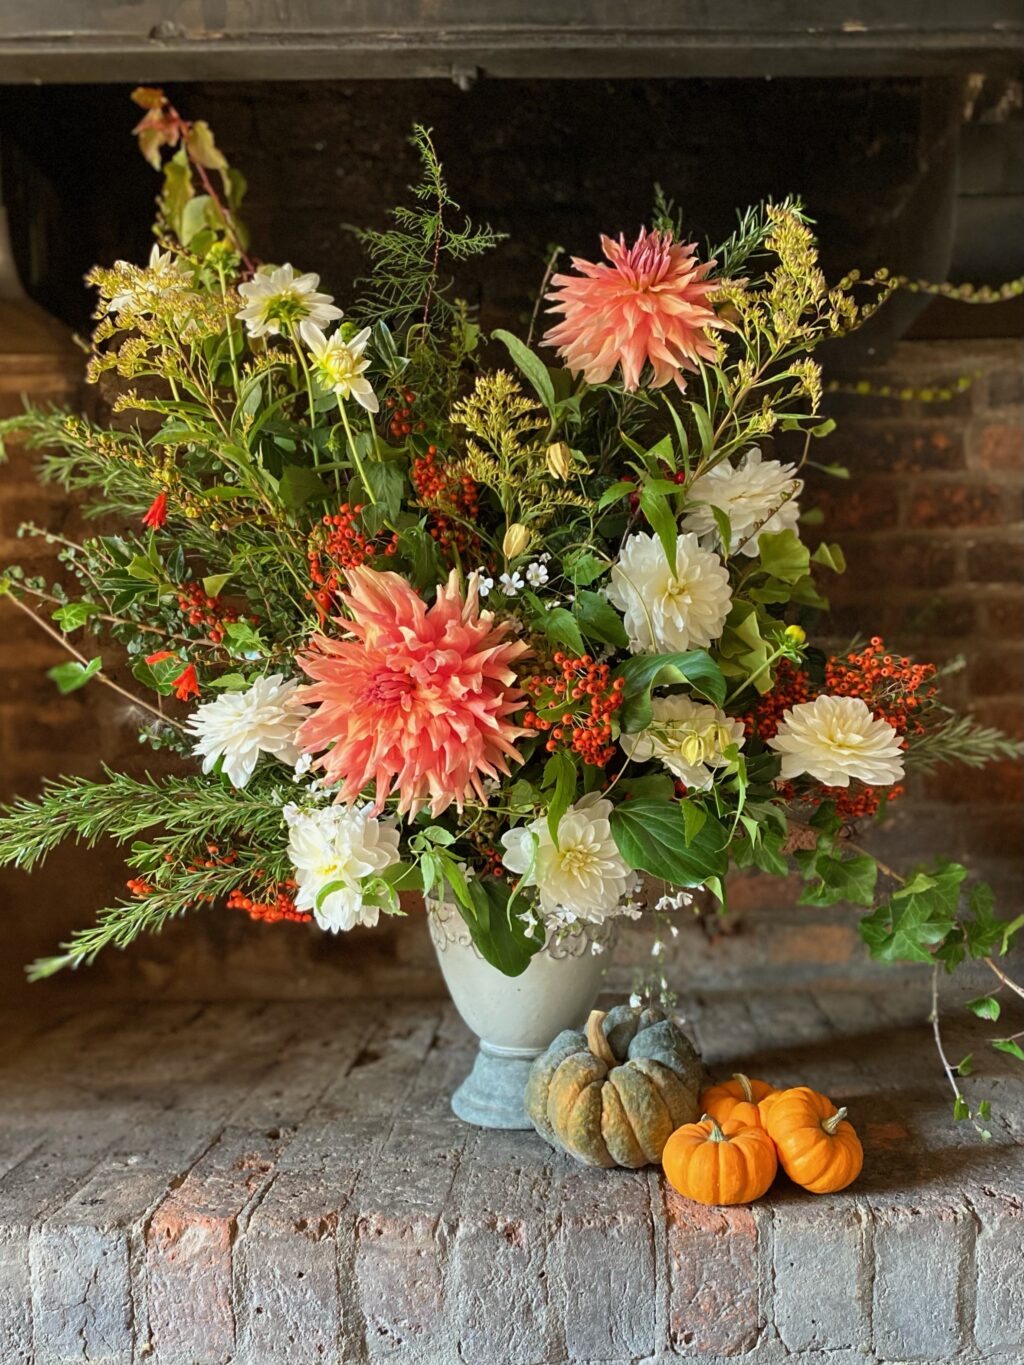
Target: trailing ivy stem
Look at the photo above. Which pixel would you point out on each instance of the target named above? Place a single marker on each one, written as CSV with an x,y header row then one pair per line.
x,y
937,1034
354,452
66,644
1006,980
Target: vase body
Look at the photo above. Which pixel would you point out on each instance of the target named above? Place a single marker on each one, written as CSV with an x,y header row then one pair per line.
x,y
515,1017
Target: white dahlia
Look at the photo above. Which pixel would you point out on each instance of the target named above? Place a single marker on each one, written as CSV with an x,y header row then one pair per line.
x,y
835,738
585,877
276,300
239,726
748,493
332,849
338,365
688,736
145,288
665,611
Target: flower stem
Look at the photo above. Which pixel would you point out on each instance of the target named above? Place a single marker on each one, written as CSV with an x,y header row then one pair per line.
x,y
354,452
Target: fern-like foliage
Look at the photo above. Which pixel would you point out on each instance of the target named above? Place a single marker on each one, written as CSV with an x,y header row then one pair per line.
x,y
408,284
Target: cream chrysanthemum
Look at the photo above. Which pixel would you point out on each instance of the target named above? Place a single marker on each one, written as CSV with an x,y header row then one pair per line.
x,y
277,300
239,726
757,496
584,877
332,849
688,736
834,739
665,611
339,365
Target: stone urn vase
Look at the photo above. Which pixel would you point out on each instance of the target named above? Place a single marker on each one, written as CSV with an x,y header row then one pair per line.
x,y
515,1017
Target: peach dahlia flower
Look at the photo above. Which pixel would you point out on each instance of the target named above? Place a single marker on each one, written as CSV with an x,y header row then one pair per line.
x,y
416,700
649,304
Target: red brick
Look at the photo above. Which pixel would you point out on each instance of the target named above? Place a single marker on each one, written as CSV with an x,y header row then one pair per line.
x,y
996,561
713,1292
1004,616
996,784
897,448
854,505
932,506
931,615
996,672
999,445
923,563
1004,713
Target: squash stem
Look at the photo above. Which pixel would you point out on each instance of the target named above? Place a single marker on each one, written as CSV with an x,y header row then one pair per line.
x,y
830,1125
716,1134
745,1086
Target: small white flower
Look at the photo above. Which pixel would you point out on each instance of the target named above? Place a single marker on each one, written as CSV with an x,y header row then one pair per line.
x,y
332,849
665,610
657,948
484,582
338,365
239,726
529,922
635,1001
468,873
755,491
688,736
536,574
585,877
596,948
833,739
302,766
511,583
277,300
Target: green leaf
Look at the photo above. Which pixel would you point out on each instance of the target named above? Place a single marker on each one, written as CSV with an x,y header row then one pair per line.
x,y
694,819
651,837
917,917
559,773
73,615
194,217
644,672
831,556
656,786
1009,931
662,519
244,640
965,1066
500,936
1011,1048
599,620
837,879
72,675
615,493
703,424
985,1007
160,676
298,484
387,483
215,583
960,1109
560,627
531,366
584,568
230,682
783,555
203,148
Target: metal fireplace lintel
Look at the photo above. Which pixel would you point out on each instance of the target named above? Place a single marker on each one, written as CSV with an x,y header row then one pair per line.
x,y
166,40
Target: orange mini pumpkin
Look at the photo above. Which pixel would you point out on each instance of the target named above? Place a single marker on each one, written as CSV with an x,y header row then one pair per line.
x,y
720,1163
817,1147
736,1099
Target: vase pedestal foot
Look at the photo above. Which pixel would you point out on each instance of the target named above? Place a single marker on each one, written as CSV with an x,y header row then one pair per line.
x,y
491,1096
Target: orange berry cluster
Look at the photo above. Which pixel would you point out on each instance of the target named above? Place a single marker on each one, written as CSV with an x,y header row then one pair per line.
x,y
575,707
791,687
339,543
139,887
278,904
401,421
448,495
893,687
855,802
201,610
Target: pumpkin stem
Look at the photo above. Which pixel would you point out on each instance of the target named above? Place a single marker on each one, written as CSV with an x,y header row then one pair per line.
x,y
716,1134
830,1125
745,1086
596,1041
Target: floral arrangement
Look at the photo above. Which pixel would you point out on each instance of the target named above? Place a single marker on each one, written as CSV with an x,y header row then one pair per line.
x,y
532,621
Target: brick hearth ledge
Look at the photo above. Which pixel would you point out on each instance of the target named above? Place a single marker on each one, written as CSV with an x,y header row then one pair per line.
x,y
254,1184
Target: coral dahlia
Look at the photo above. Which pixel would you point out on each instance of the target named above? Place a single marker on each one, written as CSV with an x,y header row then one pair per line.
x,y
649,304
416,700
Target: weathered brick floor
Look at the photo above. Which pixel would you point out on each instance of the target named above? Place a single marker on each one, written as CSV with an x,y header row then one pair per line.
x,y
259,1184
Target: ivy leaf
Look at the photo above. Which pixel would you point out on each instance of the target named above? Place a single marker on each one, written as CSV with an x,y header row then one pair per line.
x,y
531,366
599,620
215,583
584,568
831,556
230,682
244,640
651,837
960,1109
72,675
985,1007
965,1067
834,879
560,627
1011,1048
644,672
387,484
500,936
73,615
203,148
917,917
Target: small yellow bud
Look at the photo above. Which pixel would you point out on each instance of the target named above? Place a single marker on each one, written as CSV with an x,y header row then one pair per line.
x,y
559,459
517,537
797,634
